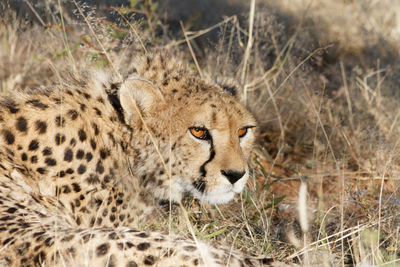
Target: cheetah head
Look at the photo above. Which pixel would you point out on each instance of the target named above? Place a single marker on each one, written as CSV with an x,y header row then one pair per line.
x,y
202,132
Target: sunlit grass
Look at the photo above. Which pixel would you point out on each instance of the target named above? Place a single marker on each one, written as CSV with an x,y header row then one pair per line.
x,y
324,87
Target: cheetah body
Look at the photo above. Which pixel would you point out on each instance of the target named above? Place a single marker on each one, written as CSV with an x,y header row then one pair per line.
x,y
82,164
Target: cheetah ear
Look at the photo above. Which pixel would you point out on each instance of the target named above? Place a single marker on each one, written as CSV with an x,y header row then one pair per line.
x,y
138,94
229,85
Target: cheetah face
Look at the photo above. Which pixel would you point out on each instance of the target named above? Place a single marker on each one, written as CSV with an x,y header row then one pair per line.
x,y
216,145
205,138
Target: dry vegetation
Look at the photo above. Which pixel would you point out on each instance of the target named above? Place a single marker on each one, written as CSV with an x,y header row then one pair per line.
x,y
321,77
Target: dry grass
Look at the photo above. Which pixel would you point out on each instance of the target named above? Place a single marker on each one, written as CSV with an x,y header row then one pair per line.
x,y
320,77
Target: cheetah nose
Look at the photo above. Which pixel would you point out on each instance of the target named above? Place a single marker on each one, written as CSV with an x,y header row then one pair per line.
x,y
233,176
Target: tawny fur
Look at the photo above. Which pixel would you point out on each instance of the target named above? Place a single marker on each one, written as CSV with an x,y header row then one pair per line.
x,y
82,163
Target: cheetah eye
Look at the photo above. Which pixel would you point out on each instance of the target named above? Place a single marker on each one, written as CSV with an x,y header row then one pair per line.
x,y
242,132
199,133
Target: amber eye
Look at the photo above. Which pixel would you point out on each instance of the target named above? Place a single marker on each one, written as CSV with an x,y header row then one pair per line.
x,y
242,132
200,133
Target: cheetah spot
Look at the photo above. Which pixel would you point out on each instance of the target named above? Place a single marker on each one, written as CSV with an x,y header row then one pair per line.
x,y
102,249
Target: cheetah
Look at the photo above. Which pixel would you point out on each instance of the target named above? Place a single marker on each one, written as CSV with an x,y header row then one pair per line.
x,y
83,162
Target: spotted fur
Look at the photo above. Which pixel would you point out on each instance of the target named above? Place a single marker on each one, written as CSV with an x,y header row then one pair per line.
x,y
83,162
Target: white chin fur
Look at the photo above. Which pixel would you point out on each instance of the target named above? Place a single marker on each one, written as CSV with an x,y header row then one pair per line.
x,y
218,198
214,197
221,195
